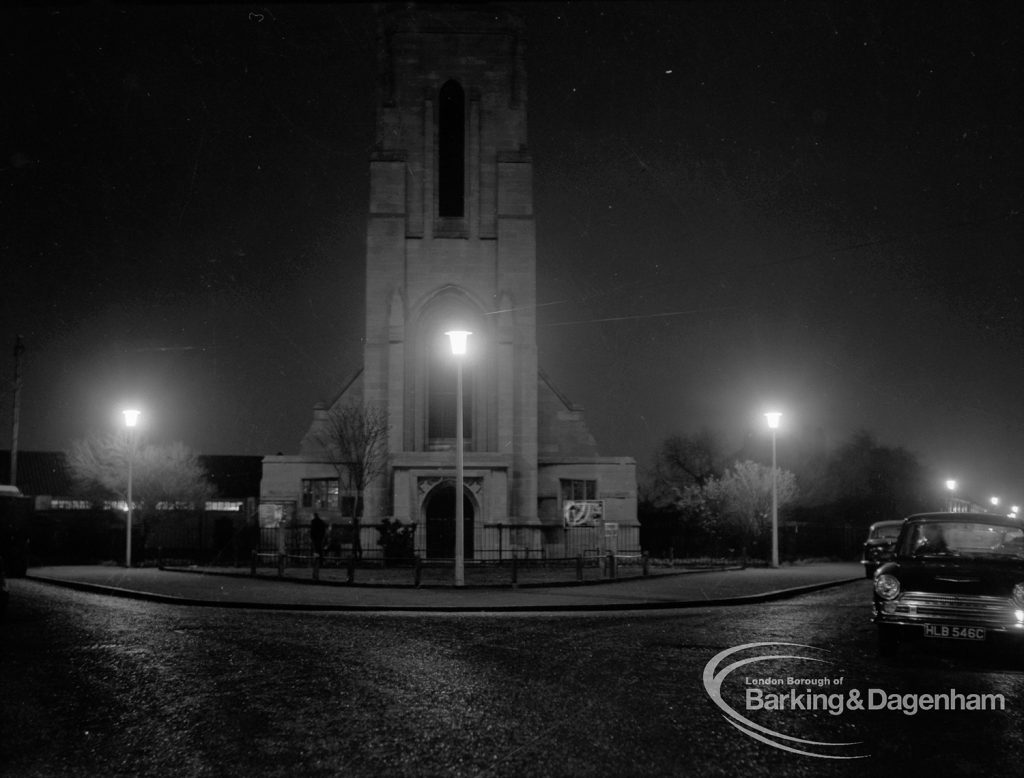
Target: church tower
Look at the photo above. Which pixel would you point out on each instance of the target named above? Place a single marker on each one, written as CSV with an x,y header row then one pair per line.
x,y
451,246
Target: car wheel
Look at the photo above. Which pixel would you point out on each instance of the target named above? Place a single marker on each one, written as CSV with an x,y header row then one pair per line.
x,y
888,641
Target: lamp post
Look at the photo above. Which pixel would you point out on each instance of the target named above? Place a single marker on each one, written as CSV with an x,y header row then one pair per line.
x,y
951,485
458,340
773,424
131,418
994,501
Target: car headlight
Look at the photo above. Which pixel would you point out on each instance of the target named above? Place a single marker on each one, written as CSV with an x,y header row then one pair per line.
x,y
888,587
1018,595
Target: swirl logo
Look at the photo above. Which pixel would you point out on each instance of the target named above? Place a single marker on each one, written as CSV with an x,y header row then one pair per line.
x,y
715,677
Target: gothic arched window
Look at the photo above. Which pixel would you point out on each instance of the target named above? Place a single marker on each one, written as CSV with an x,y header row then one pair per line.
x,y
441,394
451,151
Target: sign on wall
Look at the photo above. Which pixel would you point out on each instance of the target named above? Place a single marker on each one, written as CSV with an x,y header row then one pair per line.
x,y
583,513
271,515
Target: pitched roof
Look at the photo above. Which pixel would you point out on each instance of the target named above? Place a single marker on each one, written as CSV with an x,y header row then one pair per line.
x,y
39,472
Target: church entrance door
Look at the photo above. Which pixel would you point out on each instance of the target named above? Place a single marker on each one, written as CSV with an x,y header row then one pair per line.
x,y
440,518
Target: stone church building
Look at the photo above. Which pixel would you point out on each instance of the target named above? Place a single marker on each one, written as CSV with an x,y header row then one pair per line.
x,y
451,245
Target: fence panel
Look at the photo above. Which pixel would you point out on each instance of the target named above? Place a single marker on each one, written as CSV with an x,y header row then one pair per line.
x,y
491,542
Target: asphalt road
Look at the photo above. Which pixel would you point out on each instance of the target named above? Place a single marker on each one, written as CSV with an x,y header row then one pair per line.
x,y
93,685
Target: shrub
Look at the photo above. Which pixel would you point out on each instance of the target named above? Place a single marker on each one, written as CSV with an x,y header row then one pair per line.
x,y
397,540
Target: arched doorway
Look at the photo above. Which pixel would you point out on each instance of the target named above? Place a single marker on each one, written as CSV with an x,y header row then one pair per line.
x,y
439,509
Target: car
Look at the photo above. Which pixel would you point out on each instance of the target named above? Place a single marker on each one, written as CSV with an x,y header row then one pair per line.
x,y
879,546
954,577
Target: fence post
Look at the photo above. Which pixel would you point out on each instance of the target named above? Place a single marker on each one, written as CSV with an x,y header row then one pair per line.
x,y
579,567
160,557
417,570
647,563
351,568
501,546
611,565
252,563
280,565
515,570
316,566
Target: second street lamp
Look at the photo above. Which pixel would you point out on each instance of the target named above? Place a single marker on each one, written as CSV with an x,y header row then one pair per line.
x,y
131,418
773,423
458,340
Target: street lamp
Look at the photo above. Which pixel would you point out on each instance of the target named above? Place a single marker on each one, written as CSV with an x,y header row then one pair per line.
x,y
773,423
458,340
131,418
951,485
994,501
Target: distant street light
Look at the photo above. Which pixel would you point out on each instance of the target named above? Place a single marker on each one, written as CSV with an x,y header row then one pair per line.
x,y
131,418
773,423
458,340
994,501
1014,511
951,485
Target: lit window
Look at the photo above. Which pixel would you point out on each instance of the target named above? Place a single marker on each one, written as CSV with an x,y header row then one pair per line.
x,y
579,489
320,493
224,505
61,504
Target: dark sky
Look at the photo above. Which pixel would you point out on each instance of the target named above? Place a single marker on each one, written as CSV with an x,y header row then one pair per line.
x,y
814,206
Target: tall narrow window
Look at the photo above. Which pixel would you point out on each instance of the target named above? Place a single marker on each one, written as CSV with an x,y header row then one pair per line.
x,y
451,152
442,403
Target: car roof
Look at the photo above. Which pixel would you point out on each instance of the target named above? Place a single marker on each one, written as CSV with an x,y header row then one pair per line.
x,y
886,523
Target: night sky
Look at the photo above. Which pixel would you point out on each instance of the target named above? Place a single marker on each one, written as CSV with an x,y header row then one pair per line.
x,y
804,205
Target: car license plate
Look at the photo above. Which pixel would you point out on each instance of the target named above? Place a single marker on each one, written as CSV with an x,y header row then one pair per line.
x,y
956,633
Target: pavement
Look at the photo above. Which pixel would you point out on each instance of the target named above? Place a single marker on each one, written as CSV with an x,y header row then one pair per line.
x,y
235,588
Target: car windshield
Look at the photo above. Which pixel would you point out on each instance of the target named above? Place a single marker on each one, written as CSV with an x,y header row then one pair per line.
x,y
889,532
953,538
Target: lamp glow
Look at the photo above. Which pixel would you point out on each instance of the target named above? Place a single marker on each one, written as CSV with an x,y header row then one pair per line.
x,y
951,504
459,340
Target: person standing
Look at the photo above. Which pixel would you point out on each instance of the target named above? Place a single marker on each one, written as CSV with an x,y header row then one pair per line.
x,y
317,532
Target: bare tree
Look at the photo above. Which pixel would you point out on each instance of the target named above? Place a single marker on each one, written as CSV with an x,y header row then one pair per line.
x,y
741,500
163,476
684,460
355,439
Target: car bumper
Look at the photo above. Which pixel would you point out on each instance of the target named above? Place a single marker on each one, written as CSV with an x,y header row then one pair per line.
x,y
915,611
874,560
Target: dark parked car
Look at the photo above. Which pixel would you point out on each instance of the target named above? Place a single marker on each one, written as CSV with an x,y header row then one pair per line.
x,y
955,576
878,548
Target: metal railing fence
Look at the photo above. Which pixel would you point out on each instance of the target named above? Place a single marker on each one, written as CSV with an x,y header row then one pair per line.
x,y
487,543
